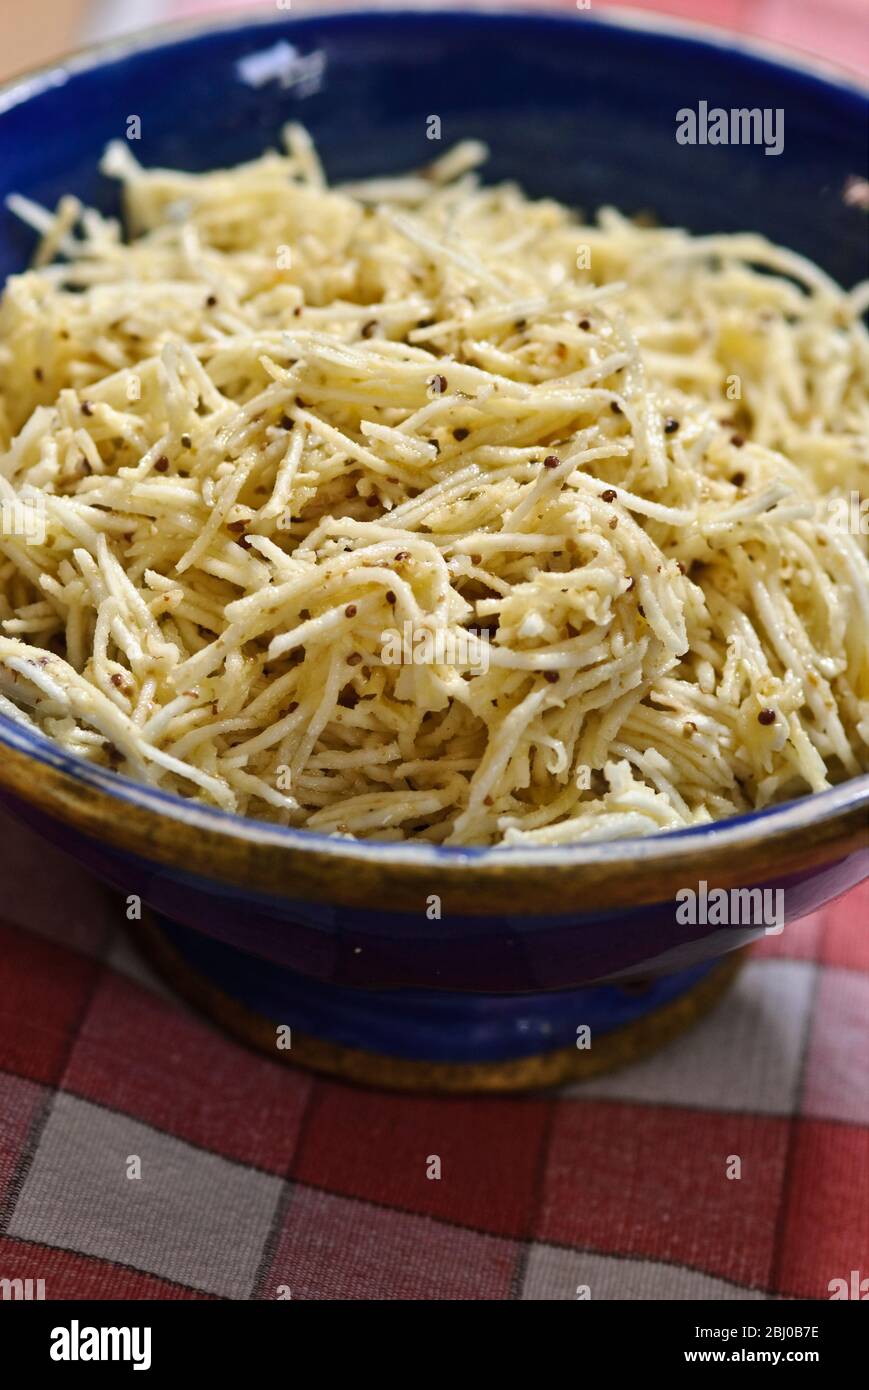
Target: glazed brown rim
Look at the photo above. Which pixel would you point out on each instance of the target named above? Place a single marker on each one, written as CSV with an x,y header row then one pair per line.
x,y
582,879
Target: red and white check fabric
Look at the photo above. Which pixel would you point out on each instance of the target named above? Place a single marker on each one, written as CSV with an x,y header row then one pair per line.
x,y
258,1180
833,29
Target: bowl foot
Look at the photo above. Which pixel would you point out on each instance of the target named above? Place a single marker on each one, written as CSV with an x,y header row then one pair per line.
x,y
429,1040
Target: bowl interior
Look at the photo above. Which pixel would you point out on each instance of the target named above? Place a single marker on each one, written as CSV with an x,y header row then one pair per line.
x,y
574,107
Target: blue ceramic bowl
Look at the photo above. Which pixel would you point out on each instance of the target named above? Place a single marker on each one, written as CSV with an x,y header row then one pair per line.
x,y
432,957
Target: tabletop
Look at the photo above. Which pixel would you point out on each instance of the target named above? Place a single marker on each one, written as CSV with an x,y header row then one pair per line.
x,y
143,1154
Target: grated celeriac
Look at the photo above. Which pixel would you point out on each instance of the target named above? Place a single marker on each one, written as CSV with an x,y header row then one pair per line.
x,y
283,420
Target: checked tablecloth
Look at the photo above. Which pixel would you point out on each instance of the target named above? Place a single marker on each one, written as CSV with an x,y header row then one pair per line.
x,y
259,1181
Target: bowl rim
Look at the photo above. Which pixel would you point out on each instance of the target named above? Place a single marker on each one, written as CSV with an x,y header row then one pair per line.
x,y
845,805
32,82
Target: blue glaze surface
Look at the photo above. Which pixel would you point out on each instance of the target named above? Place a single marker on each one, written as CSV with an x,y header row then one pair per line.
x,y
575,107
425,1025
376,947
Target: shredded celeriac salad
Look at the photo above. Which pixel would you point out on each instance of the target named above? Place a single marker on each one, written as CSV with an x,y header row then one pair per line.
x,y
282,420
